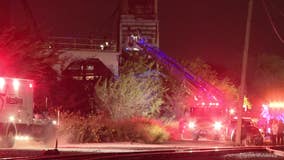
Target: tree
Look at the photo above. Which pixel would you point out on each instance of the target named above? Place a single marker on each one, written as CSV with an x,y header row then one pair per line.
x,y
267,77
134,93
183,96
24,55
177,99
137,63
203,70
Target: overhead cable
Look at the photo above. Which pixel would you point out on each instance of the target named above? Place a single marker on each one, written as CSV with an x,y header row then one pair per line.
x,y
276,8
272,23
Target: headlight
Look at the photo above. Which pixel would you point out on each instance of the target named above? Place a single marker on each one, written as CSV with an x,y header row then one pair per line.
x,y
22,138
217,125
191,125
54,122
11,119
232,111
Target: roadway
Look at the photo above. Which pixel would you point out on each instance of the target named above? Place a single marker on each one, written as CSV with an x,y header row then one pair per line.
x,y
124,150
125,146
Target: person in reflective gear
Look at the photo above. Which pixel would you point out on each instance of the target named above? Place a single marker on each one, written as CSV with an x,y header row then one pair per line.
x,y
280,133
274,131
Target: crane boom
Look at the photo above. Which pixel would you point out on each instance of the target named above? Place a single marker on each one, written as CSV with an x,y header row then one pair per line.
x,y
206,114
202,88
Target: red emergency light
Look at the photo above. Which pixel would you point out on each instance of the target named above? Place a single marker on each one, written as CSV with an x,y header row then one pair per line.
x,y
214,104
211,104
276,104
31,85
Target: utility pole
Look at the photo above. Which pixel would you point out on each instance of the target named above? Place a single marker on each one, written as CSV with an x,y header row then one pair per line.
x,y
243,74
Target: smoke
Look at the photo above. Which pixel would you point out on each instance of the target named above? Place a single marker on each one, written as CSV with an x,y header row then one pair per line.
x,y
40,145
29,144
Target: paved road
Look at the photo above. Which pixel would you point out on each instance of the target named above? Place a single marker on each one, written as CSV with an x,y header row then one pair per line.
x,y
126,146
32,148
200,150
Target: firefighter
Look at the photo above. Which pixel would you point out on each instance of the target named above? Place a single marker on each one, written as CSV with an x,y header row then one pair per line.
x,y
274,130
280,133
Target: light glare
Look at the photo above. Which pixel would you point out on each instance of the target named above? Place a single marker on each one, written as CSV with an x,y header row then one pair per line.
x,y
16,84
217,125
2,83
276,105
232,111
191,125
11,118
54,122
22,138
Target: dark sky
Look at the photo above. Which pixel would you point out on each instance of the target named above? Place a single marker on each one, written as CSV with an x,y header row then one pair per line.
x,y
214,30
211,29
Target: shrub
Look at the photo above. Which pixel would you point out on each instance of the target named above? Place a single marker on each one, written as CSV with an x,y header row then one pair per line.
x,y
131,95
78,129
173,130
151,130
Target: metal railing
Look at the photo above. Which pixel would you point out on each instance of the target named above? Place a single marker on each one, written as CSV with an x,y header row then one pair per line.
x,y
83,43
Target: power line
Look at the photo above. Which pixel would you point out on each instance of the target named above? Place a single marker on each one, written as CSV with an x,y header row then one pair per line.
x,y
31,19
272,23
276,8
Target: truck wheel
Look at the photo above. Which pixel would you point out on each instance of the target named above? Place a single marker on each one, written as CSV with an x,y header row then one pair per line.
x,y
216,137
195,137
182,135
258,140
233,136
8,140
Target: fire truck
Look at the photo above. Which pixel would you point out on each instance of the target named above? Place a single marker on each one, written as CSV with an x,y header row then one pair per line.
x,y
17,120
206,116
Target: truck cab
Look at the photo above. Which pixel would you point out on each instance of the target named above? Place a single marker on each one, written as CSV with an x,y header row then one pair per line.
x,y
204,122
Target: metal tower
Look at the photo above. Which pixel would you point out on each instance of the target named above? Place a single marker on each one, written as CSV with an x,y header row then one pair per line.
x,y
139,16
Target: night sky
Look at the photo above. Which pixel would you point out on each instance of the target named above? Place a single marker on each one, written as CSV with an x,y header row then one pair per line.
x,y
214,31
210,29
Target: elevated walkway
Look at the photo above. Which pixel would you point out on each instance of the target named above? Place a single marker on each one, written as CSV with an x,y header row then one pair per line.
x,y
73,49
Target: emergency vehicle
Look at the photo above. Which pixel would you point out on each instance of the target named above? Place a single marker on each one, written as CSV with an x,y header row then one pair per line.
x,y
17,120
271,111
